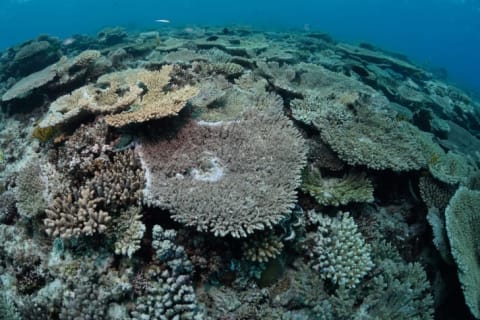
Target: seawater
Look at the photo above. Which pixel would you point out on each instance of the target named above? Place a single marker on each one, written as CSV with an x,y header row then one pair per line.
x,y
433,33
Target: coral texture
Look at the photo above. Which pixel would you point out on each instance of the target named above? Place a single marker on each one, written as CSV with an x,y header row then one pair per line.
x,y
228,178
138,92
463,223
170,294
129,231
262,247
361,134
434,193
353,187
31,189
340,252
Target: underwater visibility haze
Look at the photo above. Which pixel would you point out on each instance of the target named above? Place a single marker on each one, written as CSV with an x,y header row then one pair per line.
x,y
239,160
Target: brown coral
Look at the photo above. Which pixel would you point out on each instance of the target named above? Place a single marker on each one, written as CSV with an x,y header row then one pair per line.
x,y
230,178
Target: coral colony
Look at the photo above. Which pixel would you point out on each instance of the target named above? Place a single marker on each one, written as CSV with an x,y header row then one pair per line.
x,y
233,174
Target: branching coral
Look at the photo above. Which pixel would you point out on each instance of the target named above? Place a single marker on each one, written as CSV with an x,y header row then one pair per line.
x,y
340,252
76,213
170,294
229,178
434,193
98,183
353,187
128,232
262,247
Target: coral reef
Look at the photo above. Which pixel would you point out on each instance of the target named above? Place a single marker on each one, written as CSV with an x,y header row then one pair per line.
x,y
165,167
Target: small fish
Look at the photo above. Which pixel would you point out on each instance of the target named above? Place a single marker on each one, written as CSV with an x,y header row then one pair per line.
x,y
68,41
163,20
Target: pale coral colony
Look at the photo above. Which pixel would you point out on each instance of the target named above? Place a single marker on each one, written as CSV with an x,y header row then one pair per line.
x,y
228,173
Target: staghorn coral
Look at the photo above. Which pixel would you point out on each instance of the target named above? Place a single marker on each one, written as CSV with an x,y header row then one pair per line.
x,y
353,187
128,232
227,178
462,223
340,253
75,213
262,247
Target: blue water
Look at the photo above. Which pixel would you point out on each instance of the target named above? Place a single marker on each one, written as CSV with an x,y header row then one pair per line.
x,y
433,33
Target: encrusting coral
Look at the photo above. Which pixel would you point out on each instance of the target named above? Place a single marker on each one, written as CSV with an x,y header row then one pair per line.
x,y
227,178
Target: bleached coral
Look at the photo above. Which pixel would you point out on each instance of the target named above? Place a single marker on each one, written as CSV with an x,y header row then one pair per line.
x,y
260,160
340,252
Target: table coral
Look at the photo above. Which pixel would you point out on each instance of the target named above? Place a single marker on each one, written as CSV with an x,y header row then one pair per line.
x,y
139,93
226,178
